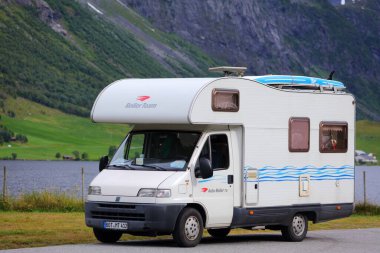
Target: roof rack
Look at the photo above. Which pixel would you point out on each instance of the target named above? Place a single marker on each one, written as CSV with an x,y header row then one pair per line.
x,y
228,71
300,82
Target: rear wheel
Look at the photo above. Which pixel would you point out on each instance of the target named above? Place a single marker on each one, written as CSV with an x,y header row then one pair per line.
x,y
189,228
219,232
297,229
107,236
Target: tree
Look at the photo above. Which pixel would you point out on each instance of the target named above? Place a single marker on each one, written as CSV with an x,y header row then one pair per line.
x,y
58,155
84,156
111,151
14,156
76,154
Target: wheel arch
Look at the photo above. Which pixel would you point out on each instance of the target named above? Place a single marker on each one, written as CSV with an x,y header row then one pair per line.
x,y
310,215
201,210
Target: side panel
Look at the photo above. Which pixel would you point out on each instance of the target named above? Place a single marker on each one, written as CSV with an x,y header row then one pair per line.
x,y
264,113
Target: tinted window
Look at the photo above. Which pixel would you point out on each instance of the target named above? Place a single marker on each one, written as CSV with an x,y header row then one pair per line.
x,y
299,134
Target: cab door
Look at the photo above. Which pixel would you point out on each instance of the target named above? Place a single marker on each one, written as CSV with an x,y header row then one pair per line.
x,y
215,194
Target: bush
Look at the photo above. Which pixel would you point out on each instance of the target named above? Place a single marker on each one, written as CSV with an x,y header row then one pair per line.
x,y
21,138
84,156
58,155
14,156
76,155
6,134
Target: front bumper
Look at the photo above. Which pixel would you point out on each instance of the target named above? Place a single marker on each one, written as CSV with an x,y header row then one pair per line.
x,y
141,218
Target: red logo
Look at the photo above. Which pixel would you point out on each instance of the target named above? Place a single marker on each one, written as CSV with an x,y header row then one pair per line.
x,y
142,98
204,189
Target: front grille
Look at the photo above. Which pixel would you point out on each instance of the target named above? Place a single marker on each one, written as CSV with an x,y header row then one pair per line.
x,y
117,206
118,216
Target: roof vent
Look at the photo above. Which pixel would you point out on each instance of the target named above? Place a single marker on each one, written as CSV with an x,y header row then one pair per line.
x,y
228,71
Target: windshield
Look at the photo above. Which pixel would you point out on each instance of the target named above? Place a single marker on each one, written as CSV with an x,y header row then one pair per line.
x,y
155,150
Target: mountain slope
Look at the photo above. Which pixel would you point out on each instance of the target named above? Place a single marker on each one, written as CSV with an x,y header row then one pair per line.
x,y
60,54
271,37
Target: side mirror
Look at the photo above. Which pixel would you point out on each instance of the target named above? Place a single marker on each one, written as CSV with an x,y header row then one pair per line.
x,y
205,168
103,162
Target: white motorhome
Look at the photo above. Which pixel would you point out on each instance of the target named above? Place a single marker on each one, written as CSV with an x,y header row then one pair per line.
x,y
224,153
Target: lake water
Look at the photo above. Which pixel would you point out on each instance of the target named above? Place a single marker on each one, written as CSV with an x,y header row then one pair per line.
x,y
57,176
66,176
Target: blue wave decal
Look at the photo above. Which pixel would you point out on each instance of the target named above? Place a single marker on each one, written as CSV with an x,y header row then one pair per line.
x,y
291,173
222,179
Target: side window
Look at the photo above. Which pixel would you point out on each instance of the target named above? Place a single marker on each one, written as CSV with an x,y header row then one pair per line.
x,y
136,146
225,100
219,155
333,137
299,134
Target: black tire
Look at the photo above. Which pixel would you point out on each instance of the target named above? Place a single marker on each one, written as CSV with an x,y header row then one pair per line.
x,y
297,229
219,232
189,228
107,236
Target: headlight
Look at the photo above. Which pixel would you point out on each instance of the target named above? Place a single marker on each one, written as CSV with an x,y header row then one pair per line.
x,y
94,190
159,193
147,193
163,193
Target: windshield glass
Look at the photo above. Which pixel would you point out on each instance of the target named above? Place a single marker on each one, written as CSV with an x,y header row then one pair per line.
x,y
155,150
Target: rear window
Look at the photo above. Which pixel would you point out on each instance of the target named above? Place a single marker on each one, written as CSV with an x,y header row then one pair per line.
x,y
333,137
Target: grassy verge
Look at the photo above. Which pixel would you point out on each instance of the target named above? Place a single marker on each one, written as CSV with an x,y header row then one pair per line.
x,y
367,209
34,229
43,201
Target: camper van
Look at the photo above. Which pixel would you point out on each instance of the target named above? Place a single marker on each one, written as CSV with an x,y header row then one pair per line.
x,y
221,153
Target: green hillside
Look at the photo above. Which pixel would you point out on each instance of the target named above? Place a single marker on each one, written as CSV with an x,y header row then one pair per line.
x,y
67,69
50,131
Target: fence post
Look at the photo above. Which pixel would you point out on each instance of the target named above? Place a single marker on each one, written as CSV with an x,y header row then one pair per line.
x,y
5,184
364,188
82,185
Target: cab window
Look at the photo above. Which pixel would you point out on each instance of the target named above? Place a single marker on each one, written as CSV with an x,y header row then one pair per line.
x,y
216,150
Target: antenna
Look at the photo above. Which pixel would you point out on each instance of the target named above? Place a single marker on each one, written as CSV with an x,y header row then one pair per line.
x,y
331,75
228,71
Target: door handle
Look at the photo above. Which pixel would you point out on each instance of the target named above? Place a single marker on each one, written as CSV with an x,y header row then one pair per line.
x,y
230,179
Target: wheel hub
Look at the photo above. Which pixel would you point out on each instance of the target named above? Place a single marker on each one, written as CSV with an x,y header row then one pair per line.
x,y
298,225
192,228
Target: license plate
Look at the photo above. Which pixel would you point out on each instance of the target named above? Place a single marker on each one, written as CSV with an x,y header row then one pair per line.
x,y
115,225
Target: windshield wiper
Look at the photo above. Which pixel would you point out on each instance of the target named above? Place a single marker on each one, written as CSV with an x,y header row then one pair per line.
x,y
124,166
155,167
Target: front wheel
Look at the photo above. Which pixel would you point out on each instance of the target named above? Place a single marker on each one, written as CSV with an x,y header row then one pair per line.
x,y
107,236
189,228
297,229
218,232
